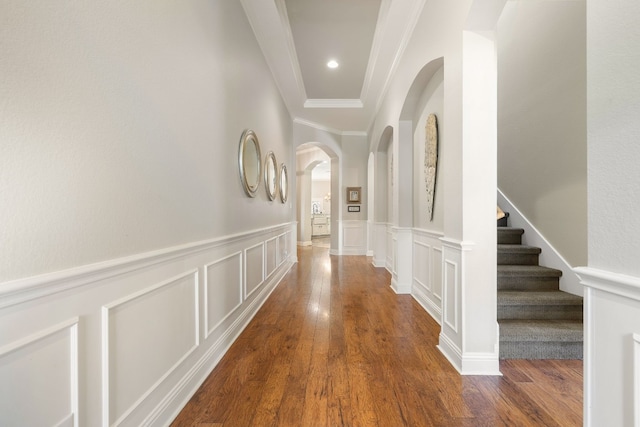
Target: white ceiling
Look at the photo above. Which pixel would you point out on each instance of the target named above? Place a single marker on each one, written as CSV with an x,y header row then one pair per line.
x,y
298,37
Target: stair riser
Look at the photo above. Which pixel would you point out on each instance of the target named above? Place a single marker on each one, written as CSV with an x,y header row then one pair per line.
x,y
528,283
550,312
509,239
540,350
517,259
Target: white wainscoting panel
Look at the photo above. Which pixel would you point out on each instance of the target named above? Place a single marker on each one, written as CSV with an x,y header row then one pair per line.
x,y
422,261
451,300
283,249
354,237
222,290
254,268
132,325
145,330
39,378
450,342
427,279
271,256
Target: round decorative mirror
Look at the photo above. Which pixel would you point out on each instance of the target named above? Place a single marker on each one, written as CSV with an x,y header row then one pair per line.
x,y
250,162
284,183
271,175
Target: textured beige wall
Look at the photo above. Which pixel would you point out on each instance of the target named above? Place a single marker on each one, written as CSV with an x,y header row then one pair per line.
x,y
542,151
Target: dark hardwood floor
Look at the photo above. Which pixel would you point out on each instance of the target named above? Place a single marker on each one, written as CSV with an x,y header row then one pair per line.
x,y
335,346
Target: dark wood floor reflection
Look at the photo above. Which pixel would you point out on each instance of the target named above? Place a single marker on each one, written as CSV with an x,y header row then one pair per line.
x,y
335,346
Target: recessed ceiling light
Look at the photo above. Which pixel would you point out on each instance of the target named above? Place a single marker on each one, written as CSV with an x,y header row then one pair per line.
x,y
332,64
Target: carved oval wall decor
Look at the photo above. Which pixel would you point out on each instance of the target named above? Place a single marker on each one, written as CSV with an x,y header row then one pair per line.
x,y
431,161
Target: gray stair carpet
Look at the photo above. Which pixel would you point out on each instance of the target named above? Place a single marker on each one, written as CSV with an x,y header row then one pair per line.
x,y
537,320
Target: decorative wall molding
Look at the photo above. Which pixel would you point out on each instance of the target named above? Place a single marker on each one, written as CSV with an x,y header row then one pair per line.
x,y
30,288
254,277
211,273
451,300
34,340
144,297
271,254
125,310
613,283
354,237
549,257
451,335
427,271
181,393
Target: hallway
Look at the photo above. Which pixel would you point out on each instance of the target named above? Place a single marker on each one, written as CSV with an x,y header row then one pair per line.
x,y
334,346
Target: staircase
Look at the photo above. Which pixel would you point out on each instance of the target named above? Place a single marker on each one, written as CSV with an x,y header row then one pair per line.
x,y
537,320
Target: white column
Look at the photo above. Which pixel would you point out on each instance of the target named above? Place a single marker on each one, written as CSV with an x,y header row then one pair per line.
x,y
303,186
403,198
469,263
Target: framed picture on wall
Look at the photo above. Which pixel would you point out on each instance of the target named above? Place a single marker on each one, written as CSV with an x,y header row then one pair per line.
x,y
353,194
353,208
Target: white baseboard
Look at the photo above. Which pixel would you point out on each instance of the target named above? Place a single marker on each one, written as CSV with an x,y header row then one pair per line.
x,y
307,243
379,263
429,306
469,363
550,257
400,288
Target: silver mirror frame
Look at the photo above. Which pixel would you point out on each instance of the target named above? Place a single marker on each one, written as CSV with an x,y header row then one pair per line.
x,y
249,137
271,175
284,183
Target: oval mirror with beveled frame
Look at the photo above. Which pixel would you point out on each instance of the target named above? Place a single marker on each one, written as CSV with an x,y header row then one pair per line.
x,y
284,183
271,175
250,162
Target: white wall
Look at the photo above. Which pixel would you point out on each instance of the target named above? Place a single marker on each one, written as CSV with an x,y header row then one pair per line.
x,y
131,257
542,149
120,129
612,278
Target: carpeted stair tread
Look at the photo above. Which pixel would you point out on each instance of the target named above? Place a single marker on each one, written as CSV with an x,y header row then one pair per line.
x,y
538,298
510,235
519,249
517,255
541,330
527,271
527,278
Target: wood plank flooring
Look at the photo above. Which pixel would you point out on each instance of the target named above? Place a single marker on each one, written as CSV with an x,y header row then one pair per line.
x,y
335,346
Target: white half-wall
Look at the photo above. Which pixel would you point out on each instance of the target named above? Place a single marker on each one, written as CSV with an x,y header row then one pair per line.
x,y
550,257
612,340
128,341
